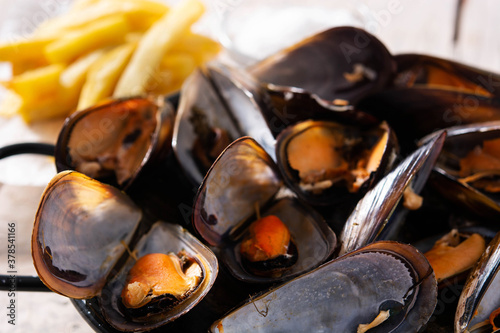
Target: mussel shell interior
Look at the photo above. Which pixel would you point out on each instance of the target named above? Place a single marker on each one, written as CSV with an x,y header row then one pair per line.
x,y
379,213
162,238
216,97
459,142
314,240
92,135
355,145
432,93
343,293
418,70
480,296
79,231
242,177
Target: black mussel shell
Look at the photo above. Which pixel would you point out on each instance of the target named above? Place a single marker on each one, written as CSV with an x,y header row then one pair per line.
x,y
446,179
344,63
110,142
432,93
245,177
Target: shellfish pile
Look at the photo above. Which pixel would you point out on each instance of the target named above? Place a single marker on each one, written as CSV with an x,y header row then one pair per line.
x,y
295,195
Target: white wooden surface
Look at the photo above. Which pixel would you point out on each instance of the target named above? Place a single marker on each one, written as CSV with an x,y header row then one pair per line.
x,y
423,26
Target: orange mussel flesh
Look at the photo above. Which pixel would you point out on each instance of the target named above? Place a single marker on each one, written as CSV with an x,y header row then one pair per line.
x,y
268,248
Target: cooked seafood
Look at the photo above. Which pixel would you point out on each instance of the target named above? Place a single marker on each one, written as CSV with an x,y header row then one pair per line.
x,y
384,277
374,216
479,299
218,104
330,66
455,253
159,277
267,248
113,141
467,167
243,177
433,93
323,161
83,237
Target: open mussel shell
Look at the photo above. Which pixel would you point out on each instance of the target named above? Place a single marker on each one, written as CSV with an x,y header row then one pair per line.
x,y
218,104
162,238
78,233
344,293
282,109
348,159
83,238
128,143
432,93
375,216
480,296
115,141
344,63
244,179
446,179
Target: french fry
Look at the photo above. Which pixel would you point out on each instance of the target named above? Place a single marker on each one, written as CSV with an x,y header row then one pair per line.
x,y
104,74
174,69
25,54
73,78
51,91
106,31
101,49
139,13
32,85
50,106
153,46
200,47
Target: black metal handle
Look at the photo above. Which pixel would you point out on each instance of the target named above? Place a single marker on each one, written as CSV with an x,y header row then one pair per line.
x,y
27,148
13,283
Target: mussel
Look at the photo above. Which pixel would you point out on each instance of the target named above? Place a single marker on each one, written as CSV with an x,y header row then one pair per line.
x,y
389,281
467,170
479,301
160,277
431,93
218,104
379,213
114,141
128,143
455,253
86,238
325,162
342,63
242,187
267,248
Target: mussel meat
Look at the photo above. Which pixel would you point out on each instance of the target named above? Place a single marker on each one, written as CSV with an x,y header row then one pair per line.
x,y
85,239
325,161
242,182
159,277
375,215
268,248
455,253
467,170
433,93
112,142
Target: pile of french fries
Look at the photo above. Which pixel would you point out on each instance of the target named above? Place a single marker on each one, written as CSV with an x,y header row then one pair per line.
x,y
103,49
